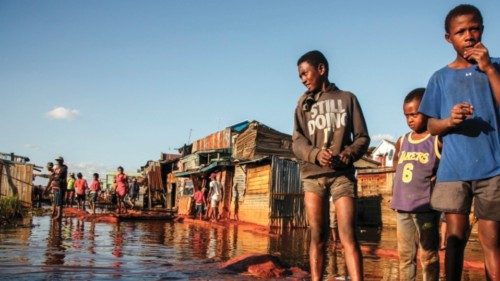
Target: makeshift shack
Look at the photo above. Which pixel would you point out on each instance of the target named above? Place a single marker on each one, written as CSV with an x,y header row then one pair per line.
x,y
259,140
267,192
16,177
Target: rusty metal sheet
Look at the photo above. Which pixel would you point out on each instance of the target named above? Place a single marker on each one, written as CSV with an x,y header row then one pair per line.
x,y
217,140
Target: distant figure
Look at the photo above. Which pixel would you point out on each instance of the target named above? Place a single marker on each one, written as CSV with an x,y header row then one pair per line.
x,y
133,192
94,188
417,158
236,202
199,203
80,189
215,195
70,191
54,188
121,190
329,135
462,103
59,184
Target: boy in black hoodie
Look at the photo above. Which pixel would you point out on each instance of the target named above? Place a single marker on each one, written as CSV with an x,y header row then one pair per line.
x,y
329,135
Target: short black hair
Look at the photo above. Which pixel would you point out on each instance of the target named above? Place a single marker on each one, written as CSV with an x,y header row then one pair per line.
x,y
96,175
415,94
314,58
79,175
460,10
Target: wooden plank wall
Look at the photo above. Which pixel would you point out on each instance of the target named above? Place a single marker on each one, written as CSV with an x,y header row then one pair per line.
x,y
244,146
259,140
255,205
16,180
273,143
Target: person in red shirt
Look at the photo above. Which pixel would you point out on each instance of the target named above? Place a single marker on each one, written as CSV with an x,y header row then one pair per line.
x,y
80,187
95,187
199,202
121,180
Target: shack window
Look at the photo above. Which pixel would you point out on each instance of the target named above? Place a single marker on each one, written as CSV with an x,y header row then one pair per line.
x,y
188,188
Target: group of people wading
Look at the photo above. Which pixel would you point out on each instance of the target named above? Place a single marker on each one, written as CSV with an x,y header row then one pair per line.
x,y
68,190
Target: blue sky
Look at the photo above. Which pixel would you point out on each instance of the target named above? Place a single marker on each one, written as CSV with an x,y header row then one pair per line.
x,y
108,83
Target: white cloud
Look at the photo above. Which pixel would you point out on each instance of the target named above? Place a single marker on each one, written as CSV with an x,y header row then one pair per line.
x,y
377,138
62,113
31,146
87,169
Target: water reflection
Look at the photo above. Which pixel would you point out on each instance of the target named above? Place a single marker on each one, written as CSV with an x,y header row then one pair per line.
x,y
76,249
54,254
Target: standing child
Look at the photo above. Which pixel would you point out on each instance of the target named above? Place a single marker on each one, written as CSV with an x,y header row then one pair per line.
x,y
121,180
59,184
70,190
80,188
199,202
462,102
95,187
417,224
215,195
329,135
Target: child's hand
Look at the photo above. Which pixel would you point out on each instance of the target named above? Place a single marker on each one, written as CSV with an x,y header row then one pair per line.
x,y
478,55
345,156
459,112
324,157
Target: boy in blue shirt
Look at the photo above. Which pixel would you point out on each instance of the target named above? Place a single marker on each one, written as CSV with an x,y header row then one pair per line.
x,y
462,103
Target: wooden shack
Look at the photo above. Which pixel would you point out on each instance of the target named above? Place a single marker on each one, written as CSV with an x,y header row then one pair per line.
x,y
267,192
204,156
259,140
375,194
161,184
16,177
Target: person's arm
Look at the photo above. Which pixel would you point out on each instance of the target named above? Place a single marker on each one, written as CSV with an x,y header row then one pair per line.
x,y
395,159
361,139
458,113
480,54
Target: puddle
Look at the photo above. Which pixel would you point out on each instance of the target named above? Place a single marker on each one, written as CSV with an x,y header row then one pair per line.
x,y
153,250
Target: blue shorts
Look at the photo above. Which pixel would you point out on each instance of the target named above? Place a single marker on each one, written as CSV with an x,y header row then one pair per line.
x,y
199,209
58,196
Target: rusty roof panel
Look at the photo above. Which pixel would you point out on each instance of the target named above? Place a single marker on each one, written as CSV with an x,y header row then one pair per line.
x,y
217,140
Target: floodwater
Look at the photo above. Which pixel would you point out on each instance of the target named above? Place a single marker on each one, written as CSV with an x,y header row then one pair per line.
x,y
156,250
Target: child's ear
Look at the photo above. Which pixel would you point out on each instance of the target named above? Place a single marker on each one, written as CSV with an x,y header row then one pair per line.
x,y
321,69
447,37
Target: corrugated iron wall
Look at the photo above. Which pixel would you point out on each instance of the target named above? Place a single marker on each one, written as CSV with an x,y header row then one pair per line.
x,y
287,199
16,180
217,140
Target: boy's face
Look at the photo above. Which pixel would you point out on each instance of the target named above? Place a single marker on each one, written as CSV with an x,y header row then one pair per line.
x,y
464,33
415,120
312,77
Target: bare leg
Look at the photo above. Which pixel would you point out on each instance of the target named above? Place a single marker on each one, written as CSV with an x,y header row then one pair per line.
x,y
318,225
442,234
489,232
456,239
346,211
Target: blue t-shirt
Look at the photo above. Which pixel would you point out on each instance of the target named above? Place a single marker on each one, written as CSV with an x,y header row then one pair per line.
x,y
471,151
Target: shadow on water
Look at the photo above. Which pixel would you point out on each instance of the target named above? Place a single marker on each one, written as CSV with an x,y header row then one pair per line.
x,y
150,250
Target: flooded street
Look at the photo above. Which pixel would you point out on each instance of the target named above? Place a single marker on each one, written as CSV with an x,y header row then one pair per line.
x,y
154,250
